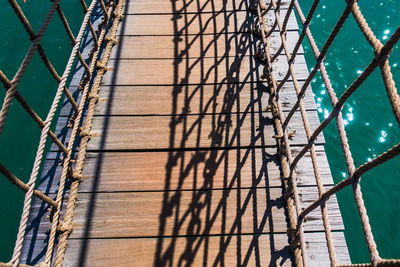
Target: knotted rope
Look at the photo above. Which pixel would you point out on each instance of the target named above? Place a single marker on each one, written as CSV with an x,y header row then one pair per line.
x,y
288,161
88,97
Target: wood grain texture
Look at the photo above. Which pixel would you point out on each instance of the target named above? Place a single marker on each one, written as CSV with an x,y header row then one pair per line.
x,y
200,23
195,46
182,165
244,250
181,6
193,99
195,71
192,132
188,213
187,170
190,99
220,130
179,213
255,250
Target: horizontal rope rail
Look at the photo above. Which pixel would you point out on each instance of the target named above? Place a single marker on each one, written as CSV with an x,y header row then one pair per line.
x,y
289,161
110,15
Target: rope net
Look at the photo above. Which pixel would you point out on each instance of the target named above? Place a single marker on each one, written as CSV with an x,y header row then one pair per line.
x,y
103,38
94,67
288,160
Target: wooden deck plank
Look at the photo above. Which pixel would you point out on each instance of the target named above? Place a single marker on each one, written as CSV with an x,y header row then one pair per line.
x,y
317,250
195,46
185,213
156,171
246,250
200,23
263,249
195,99
191,6
195,71
188,213
165,6
189,132
209,131
160,185
254,250
179,213
190,99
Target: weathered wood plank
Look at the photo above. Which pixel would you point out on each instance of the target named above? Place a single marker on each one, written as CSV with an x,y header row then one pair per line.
x,y
313,221
143,171
177,72
245,250
196,99
166,6
191,99
263,249
190,6
254,250
200,23
187,99
188,213
195,46
317,250
199,212
195,71
189,195
179,213
204,131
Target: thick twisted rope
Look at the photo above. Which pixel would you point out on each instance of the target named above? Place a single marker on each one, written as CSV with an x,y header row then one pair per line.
x,y
306,124
382,53
3,114
77,172
392,93
28,28
292,201
66,161
45,130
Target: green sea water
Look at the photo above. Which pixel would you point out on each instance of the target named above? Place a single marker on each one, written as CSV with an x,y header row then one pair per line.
x,y
19,139
371,125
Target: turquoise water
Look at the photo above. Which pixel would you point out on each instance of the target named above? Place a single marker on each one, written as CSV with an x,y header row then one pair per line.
x,y
19,140
370,124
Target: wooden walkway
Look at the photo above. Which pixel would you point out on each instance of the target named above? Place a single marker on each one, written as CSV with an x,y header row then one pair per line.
x,y
182,168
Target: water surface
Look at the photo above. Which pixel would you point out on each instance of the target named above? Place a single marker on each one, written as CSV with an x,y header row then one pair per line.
x,y
369,122
20,137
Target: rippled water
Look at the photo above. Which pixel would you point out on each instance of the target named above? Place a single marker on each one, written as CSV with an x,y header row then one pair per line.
x,y
370,124
20,137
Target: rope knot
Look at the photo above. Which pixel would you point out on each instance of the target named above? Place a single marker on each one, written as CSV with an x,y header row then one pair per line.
x,y
84,133
100,65
94,96
77,176
112,40
295,242
65,228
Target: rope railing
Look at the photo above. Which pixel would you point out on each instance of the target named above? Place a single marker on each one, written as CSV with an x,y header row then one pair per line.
x,y
103,39
290,161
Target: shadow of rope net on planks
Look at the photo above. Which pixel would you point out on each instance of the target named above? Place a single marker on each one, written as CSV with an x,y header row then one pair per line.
x,y
94,67
109,14
288,160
